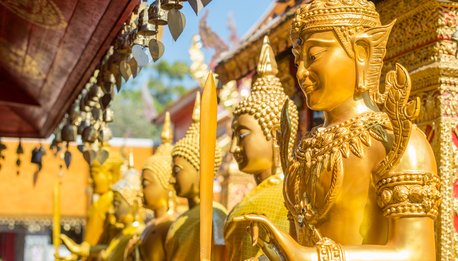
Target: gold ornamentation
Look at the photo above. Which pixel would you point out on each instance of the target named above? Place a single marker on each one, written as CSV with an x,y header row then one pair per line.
x,y
324,149
161,162
129,187
44,13
19,61
328,250
401,113
324,15
409,194
267,95
352,21
188,146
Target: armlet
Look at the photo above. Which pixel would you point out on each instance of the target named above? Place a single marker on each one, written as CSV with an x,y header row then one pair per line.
x,y
409,194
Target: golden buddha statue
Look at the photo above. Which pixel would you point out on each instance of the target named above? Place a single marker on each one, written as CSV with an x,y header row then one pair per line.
x,y
364,185
254,146
99,228
182,242
159,196
127,204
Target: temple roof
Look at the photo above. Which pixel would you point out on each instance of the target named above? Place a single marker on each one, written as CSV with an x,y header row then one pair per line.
x,y
48,51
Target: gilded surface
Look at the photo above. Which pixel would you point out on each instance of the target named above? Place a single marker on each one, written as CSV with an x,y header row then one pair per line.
x,y
183,237
44,13
421,40
17,60
265,199
357,187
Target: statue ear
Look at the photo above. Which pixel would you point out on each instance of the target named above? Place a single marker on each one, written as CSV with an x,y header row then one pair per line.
x,y
362,49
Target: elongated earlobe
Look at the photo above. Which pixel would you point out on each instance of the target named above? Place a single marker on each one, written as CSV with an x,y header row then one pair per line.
x,y
362,53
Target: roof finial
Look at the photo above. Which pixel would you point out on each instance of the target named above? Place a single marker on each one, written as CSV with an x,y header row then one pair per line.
x,y
196,111
267,64
167,132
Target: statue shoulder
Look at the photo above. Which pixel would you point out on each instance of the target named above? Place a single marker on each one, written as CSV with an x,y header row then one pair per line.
x,y
412,187
418,156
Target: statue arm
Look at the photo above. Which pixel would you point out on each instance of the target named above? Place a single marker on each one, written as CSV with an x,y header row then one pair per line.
x,y
403,243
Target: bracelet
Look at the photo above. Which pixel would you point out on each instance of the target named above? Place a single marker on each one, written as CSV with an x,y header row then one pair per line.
x,y
328,250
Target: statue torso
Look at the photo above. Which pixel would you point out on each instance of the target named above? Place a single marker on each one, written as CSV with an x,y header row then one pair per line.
x,y
331,186
153,238
266,199
183,237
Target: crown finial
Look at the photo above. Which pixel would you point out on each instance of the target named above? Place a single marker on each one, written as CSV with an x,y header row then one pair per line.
x,y
196,111
267,64
167,132
131,160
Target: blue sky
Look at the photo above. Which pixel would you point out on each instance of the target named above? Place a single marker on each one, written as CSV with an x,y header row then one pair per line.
x,y
246,14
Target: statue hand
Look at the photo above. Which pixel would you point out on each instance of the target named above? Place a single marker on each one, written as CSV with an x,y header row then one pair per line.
x,y
278,245
78,249
131,248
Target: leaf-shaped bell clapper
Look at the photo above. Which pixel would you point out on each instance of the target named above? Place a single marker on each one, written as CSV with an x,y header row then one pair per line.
x,y
156,14
156,49
108,115
96,113
89,134
68,132
144,27
141,54
176,22
171,4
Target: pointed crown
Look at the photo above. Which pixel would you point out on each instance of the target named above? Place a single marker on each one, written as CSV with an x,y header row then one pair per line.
x,y
129,187
189,146
267,94
161,162
323,15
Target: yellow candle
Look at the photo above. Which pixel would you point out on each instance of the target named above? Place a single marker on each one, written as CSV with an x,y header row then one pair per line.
x,y
56,217
207,163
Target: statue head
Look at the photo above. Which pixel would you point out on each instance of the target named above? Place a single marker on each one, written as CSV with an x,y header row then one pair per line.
x,y
339,46
257,117
104,175
127,196
186,158
157,171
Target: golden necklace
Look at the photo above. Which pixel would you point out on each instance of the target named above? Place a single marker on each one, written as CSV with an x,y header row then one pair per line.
x,y
324,149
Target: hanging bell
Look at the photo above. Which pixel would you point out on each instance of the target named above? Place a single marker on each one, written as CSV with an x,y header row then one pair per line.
x,y
89,134
68,132
144,27
108,115
156,14
96,113
171,4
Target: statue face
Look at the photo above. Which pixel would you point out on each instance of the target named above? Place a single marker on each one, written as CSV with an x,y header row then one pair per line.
x,y
101,180
326,74
251,149
185,178
154,194
121,207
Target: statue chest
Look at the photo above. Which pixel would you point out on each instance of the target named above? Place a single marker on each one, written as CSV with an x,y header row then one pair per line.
x,y
328,162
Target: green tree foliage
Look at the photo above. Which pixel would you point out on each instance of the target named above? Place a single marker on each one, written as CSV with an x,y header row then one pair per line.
x,y
165,82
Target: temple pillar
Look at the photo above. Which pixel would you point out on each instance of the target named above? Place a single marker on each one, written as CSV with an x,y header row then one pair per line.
x,y
421,40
